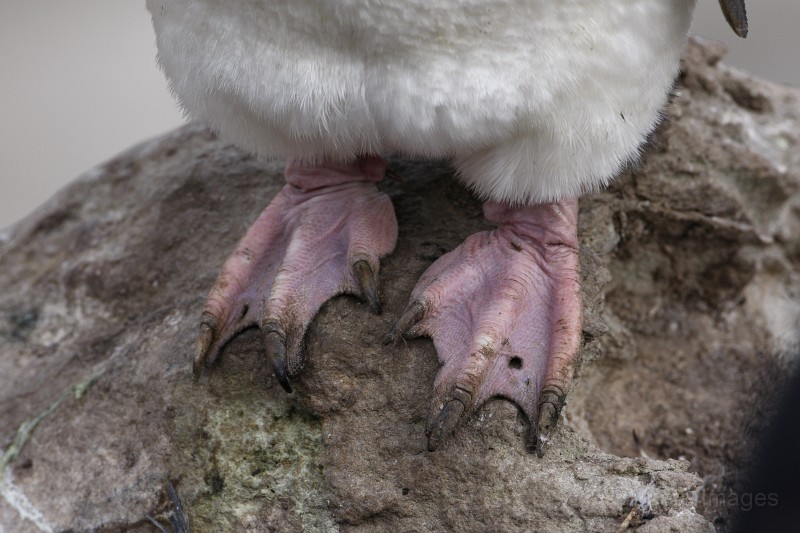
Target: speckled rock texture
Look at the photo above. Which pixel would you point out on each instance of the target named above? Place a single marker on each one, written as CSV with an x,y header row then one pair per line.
x,y
692,290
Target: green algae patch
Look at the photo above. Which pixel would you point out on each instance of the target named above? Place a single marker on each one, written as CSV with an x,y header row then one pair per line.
x,y
256,464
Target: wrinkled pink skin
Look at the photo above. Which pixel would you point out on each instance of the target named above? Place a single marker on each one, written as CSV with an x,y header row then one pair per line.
x,y
298,254
503,308
504,312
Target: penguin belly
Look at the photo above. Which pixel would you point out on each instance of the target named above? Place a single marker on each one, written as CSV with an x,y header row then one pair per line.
x,y
534,101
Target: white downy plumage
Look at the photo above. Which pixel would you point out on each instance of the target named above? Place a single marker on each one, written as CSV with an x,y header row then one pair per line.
x,y
534,100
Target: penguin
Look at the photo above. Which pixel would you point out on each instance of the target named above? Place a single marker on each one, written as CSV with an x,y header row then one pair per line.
x,y
535,103
770,493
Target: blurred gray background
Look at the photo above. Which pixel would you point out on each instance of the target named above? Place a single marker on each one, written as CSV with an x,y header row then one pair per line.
x,y
80,84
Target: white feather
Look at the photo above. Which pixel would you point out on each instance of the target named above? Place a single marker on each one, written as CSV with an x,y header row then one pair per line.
x,y
534,100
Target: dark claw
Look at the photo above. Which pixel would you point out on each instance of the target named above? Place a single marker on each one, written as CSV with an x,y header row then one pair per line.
x,y
204,341
551,400
445,423
540,429
413,314
279,368
276,351
448,418
532,443
368,283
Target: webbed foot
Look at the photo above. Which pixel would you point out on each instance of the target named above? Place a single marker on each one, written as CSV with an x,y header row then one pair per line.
x,y
321,236
504,311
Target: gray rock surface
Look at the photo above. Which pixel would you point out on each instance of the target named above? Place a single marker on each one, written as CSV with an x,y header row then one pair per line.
x,y
690,273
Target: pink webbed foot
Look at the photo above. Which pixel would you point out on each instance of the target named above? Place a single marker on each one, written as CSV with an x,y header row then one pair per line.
x,y
321,236
504,311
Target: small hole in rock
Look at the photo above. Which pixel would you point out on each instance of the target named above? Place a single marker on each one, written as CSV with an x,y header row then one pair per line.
x,y
405,491
515,363
245,309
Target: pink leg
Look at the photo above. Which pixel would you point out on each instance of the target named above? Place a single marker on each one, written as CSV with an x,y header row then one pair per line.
x,y
504,310
322,235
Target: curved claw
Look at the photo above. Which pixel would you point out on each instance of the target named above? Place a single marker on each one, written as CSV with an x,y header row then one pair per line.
x,y
448,418
368,283
504,311
204,341
551,401
411,316
445,423
276,352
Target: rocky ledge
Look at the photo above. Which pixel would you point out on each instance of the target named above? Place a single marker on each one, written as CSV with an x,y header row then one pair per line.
x,y
690,276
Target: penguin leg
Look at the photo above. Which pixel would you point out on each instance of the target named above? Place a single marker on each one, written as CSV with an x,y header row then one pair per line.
x,y
322,235
504,310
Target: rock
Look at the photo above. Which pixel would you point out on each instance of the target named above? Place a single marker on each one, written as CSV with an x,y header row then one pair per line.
x,y
690,273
